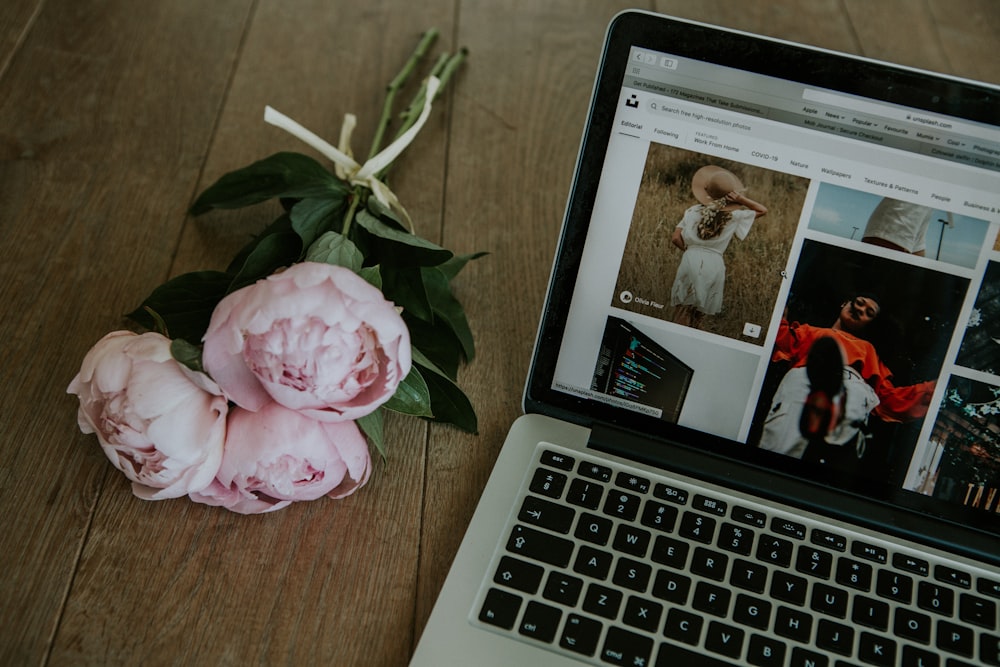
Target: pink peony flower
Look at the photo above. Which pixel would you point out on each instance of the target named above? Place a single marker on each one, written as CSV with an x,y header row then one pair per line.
x,y
315,338
160,423
276,456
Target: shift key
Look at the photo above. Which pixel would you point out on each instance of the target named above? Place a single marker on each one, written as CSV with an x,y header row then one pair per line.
x,y
540,546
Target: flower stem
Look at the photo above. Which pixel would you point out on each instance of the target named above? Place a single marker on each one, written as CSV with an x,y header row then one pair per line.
x,y
349,216
400,79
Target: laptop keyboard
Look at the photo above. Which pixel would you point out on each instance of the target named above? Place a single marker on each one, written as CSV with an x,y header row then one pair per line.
x,y
614,567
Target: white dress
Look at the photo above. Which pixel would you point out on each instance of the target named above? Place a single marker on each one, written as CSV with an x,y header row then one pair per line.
x,y
702,271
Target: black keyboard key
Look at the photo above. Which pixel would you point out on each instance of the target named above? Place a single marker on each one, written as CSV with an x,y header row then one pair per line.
x,y
774,550
540,621
834,637
789,588
954,638
988,587
659,516
912,625
670,552
978,611
593,562
894,586
766,652
602,601
583,493
557,460
546,514
805,658
580,634
632,574
829,600
697,527
622,647
814,562
683,626
920,657
724,639
870,613
737,539
748,576
711,599
870,552
989,649
672,587
671,655
950,575
936,598
643,614
823,538
631,540
670,494
752,611
562,588
536,545
594,529
596,471
548,483
709,505
749,517
788,528
622,505
500,608
911,564
855,574
709,564
632,482
876,650
793,624
517,574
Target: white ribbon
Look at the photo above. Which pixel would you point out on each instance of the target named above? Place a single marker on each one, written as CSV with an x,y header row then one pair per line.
x,y
346,166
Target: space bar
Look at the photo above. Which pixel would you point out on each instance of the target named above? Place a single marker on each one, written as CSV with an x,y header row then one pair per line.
x,y
671,655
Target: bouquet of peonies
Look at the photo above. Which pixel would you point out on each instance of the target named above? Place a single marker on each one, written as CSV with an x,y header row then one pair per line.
x,y
265,384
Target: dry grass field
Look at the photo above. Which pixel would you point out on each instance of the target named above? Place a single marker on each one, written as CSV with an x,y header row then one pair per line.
x,y
753,266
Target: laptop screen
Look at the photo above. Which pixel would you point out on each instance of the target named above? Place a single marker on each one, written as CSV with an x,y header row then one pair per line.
x,y
789,259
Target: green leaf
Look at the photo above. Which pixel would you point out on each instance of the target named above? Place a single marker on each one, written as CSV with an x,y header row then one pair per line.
x,y
457,263
394,247
405,288
282,225
313,217
184,303
446,307
334,248
271,253
448,402
186,354
436,342
373,275
373,428
280,175
412,396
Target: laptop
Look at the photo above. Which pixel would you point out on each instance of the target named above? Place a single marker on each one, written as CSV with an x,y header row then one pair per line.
x,y
762,419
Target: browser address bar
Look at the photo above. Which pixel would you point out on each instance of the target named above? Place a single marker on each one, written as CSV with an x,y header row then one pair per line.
x,y
886,111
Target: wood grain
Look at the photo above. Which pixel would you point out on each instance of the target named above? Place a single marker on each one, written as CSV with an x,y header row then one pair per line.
x,y
112,119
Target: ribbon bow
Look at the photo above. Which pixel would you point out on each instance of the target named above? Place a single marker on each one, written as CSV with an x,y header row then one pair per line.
x,y
347,168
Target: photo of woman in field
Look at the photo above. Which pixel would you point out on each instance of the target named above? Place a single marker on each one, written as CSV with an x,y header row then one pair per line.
x,y
753,267
703,234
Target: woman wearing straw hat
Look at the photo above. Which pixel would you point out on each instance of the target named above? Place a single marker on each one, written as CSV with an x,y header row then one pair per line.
x,y
704,234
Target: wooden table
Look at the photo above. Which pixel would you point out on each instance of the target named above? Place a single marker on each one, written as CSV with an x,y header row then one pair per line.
x,y
115,114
